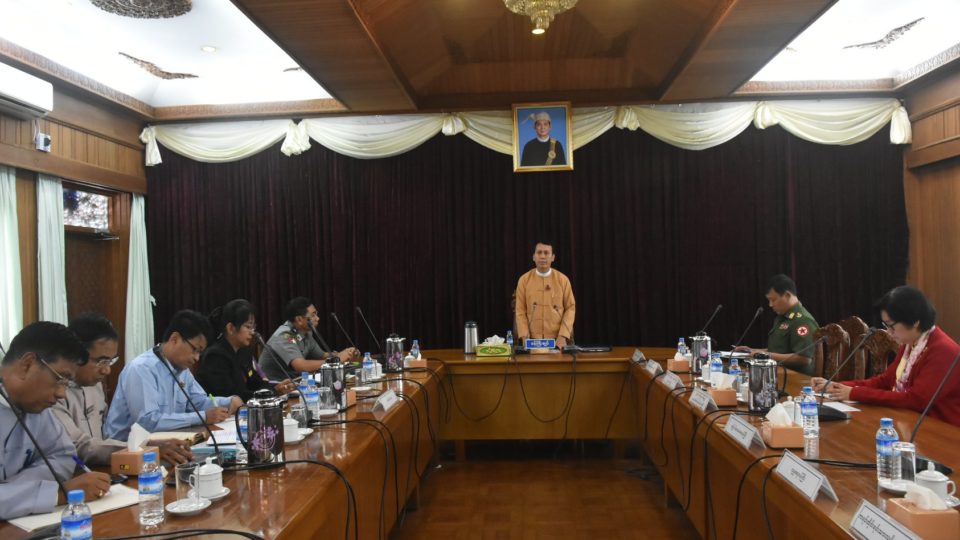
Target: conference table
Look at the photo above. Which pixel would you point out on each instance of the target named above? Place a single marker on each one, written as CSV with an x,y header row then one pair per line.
x,y
460,397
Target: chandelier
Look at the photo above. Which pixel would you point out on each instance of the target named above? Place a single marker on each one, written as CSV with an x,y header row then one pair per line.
x,y
541,12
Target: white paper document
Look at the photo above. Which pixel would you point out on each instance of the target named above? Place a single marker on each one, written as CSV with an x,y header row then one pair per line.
x,y
119,496
840,406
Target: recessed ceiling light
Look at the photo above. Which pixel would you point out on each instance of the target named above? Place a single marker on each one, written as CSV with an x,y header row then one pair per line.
x,y
208,48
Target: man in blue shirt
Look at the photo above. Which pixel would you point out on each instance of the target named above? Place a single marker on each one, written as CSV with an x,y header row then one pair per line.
x,y
147,393
42,360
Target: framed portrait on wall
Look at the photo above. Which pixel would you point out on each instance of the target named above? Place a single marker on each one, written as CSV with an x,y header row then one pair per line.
x,y
542,137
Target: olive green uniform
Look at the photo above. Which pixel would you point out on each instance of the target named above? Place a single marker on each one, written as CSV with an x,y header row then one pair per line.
x,y
793,332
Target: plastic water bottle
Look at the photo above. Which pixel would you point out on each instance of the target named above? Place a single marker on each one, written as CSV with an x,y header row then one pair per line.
x,y
242,434
888,463
509,339
312,398
76,521
736,373
415,350
369,371
716,369
302,387
810,415
682,347
151,491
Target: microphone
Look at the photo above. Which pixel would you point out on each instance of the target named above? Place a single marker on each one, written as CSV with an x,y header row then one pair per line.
x,y
273,357
923,461
342,329
163,360
749,326
23,424
710,320
834,414
367,324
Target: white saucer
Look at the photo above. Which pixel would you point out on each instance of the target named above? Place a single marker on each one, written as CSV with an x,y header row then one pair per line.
x,y
362,388
328,412
300,438
952,502
174,507
899,487
223,493
304,432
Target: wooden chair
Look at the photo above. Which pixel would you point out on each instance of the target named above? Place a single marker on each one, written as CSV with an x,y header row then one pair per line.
x,y
881,350
857,367
828,355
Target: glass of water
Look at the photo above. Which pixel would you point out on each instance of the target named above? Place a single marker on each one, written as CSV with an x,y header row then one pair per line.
x,y
908,460
298,412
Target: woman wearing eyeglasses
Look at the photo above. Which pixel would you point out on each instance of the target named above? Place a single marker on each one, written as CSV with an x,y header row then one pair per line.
x,y
926,353
84,407
228,366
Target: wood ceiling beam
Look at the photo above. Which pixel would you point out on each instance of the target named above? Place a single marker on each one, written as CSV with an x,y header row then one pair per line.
x,y
740,38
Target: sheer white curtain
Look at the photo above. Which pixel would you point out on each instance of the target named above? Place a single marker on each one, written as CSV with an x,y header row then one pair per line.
x,y
138,328
51,269
11,293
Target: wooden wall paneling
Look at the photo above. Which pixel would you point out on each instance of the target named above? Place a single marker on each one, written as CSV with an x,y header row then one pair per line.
x,y
120,206
27,228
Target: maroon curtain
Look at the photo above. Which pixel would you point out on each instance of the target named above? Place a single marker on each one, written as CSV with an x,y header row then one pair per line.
x,y
652,236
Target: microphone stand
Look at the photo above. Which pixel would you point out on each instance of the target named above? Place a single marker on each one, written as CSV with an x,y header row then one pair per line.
x,y
913,436
23,424
376,341
273,357
703,330
342,329
749,326
834,414
163,360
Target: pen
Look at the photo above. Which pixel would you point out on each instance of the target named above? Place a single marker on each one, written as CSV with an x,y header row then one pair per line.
x,y
80,463
212,399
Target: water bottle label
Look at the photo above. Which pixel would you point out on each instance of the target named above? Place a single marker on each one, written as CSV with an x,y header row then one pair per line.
x,y
808,408
76,528
150,483
884,448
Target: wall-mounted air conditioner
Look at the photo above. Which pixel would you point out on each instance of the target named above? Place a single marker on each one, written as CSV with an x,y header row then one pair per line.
x,y
22,95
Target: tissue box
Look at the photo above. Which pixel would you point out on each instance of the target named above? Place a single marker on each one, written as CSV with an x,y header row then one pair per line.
x,y
421,363
678,366
724,398
782,436
351,397
502,349
127,462
928,524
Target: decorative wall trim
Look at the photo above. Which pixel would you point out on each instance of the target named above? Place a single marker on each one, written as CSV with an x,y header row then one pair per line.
x,y
921,69
792,87
250,110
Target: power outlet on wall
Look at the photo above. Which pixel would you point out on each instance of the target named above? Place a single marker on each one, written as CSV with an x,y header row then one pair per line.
x,y
43,142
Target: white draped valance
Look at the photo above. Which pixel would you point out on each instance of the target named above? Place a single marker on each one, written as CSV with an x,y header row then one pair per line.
x,y
690,126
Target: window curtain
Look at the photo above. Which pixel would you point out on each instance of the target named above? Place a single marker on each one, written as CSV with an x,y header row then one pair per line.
x,y
138,333
11,293
51,269
695,126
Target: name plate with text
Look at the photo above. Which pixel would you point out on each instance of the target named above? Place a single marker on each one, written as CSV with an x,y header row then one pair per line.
x,y
871,523
386,400
742,431
702,400
671,380
653,367
805,477
540,344
638,356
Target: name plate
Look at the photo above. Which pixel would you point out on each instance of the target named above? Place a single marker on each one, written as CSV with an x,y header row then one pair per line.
x,y
742,431
671,380
540,344
805,477
386,400
638,356
871,523
702,400
653,368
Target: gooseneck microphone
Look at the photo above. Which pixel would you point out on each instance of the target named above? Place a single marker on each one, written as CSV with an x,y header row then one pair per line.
x,y
157,350
710,320
921,460
23,424
376,341
871,331
272,355
749,326
342,329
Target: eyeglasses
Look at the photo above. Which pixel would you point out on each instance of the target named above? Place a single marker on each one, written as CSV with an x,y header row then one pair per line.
x,y
888,325
249,326
61,380
104,361
197,351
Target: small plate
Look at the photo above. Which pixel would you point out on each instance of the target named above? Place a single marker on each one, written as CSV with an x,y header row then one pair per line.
x,y
952,502
305,432
328,412
223,493
300,438
898,487
362,388
177,507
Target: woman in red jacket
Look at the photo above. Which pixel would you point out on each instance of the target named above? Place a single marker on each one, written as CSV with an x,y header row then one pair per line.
x,y
926,353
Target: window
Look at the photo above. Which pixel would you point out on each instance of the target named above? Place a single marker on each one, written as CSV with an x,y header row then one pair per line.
x,y
86,209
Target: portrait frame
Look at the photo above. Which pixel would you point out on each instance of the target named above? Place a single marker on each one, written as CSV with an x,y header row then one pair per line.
x,y
560,134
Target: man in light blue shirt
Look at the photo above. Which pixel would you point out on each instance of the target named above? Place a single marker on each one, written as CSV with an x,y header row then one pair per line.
x,y
147,393
42,360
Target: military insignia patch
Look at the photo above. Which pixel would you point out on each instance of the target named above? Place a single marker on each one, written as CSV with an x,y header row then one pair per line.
x,y
790,316
799,315
802,331
784,326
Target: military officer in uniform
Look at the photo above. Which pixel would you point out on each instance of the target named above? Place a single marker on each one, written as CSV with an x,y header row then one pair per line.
x,y
543,150
292,348
791,338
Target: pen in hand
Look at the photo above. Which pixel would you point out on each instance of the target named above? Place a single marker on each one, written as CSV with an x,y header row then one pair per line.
x,y
80,463
212,399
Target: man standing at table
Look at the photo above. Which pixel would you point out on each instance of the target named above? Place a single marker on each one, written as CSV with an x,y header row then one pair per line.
x,y
546,307
791,338
147,393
